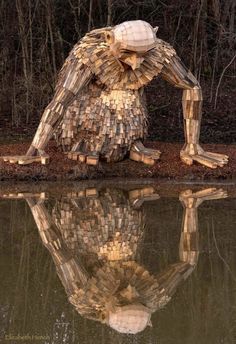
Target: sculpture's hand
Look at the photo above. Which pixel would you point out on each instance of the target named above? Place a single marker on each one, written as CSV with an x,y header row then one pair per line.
x,y
33,155
39,197
192,199
194,152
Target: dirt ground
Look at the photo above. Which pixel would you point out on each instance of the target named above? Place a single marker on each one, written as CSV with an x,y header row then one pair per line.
x,y
169,167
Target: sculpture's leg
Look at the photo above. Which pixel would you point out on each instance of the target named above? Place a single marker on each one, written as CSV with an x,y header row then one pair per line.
x,y
146,155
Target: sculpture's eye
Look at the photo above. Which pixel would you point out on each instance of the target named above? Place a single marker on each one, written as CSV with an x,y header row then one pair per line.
x,y
124,51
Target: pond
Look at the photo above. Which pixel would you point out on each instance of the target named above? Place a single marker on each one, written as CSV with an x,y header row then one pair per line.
x,y
118,262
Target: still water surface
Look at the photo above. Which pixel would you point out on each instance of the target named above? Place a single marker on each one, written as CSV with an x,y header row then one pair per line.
x,y
118,264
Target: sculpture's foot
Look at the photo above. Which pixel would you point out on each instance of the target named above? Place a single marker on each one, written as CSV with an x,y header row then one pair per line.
x,y
138,196
25,160
87,158
212,160
146,155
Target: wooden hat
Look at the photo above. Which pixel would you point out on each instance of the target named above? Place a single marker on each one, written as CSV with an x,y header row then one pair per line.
x,y
131,319
135,35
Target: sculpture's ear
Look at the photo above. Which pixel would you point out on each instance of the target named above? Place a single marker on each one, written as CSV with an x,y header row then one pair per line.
x,y
109,37
156,29
115,49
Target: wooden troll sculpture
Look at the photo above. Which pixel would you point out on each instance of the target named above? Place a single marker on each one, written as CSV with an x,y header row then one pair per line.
x,y
98,110
94,239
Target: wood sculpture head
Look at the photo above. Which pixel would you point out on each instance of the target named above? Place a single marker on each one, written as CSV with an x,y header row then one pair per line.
x,y
130,41
130,319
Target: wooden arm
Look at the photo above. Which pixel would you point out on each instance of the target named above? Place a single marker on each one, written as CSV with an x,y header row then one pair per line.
x,y
74,76
177,74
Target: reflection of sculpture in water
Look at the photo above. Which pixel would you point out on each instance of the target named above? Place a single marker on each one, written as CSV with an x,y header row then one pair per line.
x,y
93,239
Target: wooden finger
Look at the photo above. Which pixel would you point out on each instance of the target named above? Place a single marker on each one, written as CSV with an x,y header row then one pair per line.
x,y
211,193
205,161
25,160
222,157
214,159
187,159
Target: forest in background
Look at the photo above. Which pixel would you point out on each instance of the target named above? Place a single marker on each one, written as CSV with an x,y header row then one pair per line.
x,y
36,36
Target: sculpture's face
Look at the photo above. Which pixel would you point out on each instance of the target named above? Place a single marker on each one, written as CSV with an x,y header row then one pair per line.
x,y
132,58
131,40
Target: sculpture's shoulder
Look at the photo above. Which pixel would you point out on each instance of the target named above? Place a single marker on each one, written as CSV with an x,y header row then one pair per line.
x,y
82,54
73,66
162,53
90,47
165,47
96,35
89,43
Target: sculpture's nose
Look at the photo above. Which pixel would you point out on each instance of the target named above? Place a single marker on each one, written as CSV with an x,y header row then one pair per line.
x,y
132,59
136,61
